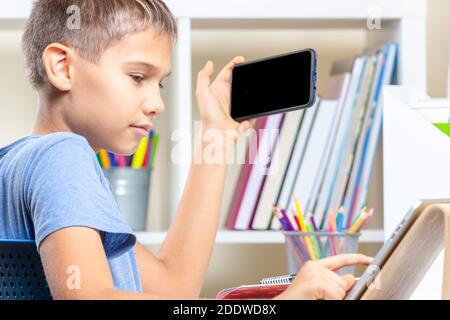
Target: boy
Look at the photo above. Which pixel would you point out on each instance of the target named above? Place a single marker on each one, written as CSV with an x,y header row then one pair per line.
x,y
98,85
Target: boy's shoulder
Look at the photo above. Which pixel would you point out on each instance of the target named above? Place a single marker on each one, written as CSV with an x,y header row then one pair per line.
x,y
62,146
59,138
55,147
41,143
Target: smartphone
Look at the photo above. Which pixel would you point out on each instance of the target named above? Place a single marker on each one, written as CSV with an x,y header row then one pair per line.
x,y
273,85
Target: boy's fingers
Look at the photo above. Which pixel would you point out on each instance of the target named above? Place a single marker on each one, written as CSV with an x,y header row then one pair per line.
x,y
338,280
342,260
332,290
204,77
225,73
349,279
245,125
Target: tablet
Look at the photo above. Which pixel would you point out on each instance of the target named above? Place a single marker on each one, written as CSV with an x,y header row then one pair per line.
x,y
367,278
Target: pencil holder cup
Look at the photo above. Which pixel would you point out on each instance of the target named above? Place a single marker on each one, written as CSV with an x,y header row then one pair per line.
x,y
131,189
304,246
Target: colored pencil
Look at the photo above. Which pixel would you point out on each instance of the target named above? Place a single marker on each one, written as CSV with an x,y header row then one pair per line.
x,y
296,220
369,217
315,243
153,151
358,223
299,254
299,214
340,219
313,222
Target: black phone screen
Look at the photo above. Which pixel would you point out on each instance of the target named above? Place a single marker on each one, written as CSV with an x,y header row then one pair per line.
x,y
272,85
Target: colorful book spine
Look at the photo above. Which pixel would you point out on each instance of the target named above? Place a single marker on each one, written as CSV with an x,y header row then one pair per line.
x,y
244,175
327,162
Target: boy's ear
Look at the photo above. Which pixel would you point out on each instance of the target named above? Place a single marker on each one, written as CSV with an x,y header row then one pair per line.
x,y
57,60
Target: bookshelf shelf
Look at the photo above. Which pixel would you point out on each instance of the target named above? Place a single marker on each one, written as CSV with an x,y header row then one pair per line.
x,y
250,237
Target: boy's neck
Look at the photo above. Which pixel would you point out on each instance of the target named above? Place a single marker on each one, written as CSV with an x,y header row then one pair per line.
x,y
49,117
49,120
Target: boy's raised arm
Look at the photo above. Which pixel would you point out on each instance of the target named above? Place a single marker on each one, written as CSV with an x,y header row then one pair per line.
x,y
187,248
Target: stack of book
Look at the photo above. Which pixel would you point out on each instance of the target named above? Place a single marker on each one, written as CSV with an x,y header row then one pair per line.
x,y
323,155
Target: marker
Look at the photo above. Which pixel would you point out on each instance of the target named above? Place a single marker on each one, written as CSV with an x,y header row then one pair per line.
x,y
138,158
121,161
149,149
112,159
154,148
106,164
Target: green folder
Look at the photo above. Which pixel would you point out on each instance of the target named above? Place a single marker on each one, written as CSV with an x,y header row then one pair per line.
x,y
444,127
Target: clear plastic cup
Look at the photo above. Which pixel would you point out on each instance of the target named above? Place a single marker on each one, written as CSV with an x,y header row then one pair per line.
x,y
304,246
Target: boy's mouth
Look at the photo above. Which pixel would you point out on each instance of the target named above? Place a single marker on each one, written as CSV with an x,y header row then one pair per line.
x,y
142,128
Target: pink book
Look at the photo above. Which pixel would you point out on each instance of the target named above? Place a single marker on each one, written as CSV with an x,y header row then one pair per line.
x,y
252,176
241,184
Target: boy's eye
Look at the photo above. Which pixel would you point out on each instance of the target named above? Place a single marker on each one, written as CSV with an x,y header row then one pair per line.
x,y
137,78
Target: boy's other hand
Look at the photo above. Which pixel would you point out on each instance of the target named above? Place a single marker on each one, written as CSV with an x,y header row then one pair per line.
x,y
213,98
317,280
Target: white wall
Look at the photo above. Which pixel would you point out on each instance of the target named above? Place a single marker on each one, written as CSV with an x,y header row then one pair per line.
x,y
17,99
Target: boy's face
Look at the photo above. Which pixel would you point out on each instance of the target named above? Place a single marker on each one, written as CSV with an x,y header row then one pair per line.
x,y
108,100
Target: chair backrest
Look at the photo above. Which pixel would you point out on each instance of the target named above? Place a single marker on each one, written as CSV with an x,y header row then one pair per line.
x,y
21,273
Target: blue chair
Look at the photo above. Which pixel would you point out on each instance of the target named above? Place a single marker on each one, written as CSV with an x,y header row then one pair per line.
x,y
21,273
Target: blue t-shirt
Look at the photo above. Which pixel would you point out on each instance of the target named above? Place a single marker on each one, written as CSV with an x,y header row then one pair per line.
x,y
49,182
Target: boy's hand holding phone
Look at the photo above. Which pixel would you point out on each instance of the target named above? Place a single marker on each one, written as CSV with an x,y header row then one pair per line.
x,y
213,100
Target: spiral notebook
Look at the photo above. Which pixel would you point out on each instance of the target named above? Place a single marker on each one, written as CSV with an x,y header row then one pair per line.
x,y
267,288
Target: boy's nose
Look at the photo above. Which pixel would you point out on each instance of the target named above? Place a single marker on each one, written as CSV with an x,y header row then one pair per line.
x,y
153,109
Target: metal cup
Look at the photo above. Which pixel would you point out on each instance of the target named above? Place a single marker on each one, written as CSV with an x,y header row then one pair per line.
x,y
131,189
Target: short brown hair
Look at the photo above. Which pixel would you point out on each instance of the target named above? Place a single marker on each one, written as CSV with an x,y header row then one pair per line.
x,y
100,23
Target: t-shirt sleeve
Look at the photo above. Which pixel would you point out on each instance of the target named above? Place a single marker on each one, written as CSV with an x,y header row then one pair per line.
x,y
67,188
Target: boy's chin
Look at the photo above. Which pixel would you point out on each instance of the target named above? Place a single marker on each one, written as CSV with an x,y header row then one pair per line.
x,y
124,151
127,149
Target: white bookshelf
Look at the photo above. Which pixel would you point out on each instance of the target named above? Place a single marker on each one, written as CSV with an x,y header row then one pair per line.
x,y
250,237
402,20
